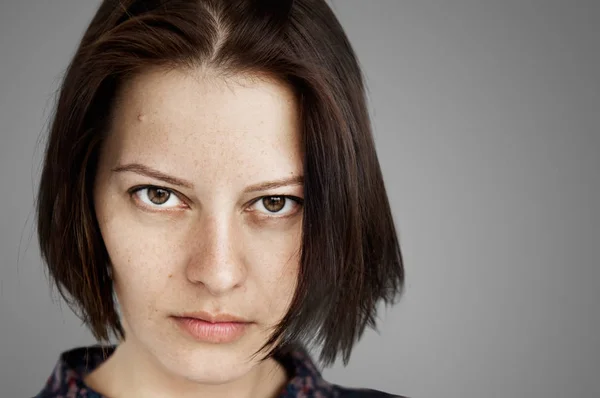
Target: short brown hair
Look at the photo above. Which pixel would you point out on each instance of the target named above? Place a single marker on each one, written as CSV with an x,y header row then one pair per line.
x,y
351,258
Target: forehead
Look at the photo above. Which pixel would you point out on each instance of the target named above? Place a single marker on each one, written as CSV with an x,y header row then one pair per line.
x,y
185,120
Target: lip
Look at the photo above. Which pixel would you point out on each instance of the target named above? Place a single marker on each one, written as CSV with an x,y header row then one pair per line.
x,y
219,328
213,318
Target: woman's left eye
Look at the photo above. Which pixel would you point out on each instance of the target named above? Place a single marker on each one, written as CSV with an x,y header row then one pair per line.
x,y
277,205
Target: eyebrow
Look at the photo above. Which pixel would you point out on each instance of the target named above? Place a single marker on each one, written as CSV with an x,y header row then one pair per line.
x,y
152,173
158,175
284,182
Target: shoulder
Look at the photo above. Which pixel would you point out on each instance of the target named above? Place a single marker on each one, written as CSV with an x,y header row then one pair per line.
x,y
67,378
307,380
344,392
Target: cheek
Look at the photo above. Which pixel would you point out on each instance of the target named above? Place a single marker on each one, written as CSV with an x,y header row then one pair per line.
x,y
142,259
275,267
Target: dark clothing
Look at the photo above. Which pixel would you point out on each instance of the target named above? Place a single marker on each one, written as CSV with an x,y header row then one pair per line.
x,y
306,381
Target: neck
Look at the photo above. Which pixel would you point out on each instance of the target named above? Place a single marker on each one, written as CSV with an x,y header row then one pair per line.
x,y
132,372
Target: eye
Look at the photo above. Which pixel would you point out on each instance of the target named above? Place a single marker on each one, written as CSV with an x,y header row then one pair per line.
x,y
277,205
157,197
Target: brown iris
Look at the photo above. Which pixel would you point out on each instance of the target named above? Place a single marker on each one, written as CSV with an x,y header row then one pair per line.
x,y
158,196
274,203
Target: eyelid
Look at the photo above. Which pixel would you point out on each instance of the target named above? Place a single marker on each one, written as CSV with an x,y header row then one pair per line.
x,y
299,202
134,191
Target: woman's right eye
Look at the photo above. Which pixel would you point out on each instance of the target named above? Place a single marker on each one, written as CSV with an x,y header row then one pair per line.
x,y
156,197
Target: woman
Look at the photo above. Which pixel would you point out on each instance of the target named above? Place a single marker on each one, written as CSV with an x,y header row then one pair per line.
x,y
212,198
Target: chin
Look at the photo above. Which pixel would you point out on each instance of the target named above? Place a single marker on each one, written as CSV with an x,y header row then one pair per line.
x,y
207,363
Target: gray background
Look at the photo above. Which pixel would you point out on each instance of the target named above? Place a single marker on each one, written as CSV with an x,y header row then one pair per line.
x,y
486,119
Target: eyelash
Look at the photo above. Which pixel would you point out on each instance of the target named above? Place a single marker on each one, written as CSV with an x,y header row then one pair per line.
x,y
135,190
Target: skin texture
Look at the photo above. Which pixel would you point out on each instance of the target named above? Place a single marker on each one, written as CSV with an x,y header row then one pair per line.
x,y
207,246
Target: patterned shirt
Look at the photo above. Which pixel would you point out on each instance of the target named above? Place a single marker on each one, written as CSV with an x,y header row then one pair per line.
x,y
67,379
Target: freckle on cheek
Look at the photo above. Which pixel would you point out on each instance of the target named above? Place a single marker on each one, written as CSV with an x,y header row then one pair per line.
x,y
170,275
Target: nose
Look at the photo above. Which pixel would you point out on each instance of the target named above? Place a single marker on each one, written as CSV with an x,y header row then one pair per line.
x,y
216,258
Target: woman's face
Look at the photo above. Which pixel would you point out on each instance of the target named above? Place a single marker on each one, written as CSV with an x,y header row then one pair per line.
x,y
195,200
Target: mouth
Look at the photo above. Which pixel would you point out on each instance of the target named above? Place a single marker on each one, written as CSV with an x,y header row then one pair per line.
x,y
212,328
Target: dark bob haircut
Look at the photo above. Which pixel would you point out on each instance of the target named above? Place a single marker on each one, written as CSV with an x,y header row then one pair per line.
x,y
350,259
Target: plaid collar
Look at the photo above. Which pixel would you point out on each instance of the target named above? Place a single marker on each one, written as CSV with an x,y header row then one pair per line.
x,y
66,381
